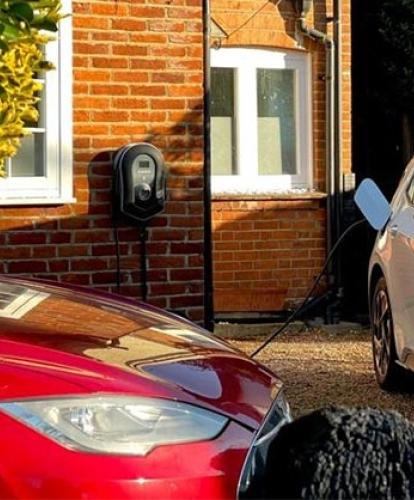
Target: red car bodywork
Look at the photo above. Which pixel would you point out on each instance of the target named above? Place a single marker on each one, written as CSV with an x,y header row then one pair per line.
x,y
70,341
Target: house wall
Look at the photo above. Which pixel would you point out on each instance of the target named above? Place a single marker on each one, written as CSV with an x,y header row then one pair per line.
x,y
137,77
267,250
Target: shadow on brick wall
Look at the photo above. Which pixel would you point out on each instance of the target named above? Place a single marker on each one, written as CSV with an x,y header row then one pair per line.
x,y
76,243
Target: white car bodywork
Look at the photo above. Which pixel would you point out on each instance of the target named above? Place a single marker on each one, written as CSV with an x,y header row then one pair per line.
x,y
393,258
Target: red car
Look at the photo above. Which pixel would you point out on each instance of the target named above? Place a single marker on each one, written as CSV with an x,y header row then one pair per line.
x,y
104,398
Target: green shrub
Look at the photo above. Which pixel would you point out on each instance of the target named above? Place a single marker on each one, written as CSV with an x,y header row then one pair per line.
x,y
23,25
395,24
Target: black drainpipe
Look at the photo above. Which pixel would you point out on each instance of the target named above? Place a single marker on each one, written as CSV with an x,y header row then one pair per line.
x,y
334,179
337,15
329,43
208,249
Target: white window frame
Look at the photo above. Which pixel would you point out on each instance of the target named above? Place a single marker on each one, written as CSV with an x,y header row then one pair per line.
x,y
246,61
56,186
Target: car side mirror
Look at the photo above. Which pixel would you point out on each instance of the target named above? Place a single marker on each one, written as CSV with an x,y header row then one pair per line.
x,y
373,204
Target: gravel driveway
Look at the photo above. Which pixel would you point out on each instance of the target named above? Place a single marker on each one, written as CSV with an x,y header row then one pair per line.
x,y
321,368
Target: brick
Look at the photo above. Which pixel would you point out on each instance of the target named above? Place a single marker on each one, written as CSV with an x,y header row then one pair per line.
x,y
186,301
186,274
105,277
29,266
90,22
25,238
43,252
109,62
195,314
94,236
156,248
76,278
186,248
127,24
158,302
167,289
168,234
91,264
73,250
100,250
60,237
150,12
7,252
59,266
166,261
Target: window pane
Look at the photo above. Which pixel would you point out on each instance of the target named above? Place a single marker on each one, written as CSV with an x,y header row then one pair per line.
x,y
40,105
276,121
223,157
29,161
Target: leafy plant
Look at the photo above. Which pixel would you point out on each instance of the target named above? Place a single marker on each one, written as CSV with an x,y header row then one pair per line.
x,y
23,31
395,21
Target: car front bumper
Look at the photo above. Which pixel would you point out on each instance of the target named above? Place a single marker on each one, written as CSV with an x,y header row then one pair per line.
x,y
36,467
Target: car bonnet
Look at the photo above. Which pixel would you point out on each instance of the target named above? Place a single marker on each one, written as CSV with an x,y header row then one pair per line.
x,y
95,343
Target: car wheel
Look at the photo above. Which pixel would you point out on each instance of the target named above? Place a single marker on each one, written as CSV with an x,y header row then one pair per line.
x,y
389,375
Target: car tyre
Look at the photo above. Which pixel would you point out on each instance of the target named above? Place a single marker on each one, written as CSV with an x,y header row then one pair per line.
x,y
390,376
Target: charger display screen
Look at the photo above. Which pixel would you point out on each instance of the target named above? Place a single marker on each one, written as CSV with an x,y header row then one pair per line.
x,y
144,164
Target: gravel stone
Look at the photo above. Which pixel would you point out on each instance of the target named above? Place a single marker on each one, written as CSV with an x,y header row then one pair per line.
x,y
322,368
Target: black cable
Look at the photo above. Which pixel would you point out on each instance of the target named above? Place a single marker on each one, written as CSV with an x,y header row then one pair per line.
x,y
118,257
143,236
296,312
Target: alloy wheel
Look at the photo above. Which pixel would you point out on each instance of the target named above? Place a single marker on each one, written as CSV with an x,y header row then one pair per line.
x,y
382,334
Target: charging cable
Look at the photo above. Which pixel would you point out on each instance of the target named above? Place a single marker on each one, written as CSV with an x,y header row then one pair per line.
x,y
118,256
143,236
296,313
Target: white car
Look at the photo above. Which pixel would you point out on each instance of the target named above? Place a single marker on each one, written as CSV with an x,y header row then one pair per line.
x,y
391,279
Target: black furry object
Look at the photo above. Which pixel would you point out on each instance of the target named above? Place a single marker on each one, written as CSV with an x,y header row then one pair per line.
x,y
343,454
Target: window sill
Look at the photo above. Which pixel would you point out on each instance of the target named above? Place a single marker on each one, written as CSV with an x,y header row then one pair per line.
x,y
17,202
288,195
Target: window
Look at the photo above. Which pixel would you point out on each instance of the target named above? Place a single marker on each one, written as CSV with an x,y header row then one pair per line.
x,y
260,120
41,172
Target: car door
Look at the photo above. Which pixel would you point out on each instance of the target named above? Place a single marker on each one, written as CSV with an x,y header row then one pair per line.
x,y
401,267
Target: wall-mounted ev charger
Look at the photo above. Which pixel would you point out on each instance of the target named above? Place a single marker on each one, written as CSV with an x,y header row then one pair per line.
x,y
140,193
139,181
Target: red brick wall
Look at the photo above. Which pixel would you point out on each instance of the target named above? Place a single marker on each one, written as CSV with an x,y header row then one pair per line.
x,y
266,252
137,77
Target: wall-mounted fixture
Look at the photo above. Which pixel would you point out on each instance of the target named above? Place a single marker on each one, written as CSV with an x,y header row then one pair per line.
x,y
140,193
139,182
217,33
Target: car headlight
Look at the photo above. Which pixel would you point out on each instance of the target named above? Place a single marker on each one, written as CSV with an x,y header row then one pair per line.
x,y
117,425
